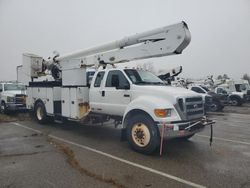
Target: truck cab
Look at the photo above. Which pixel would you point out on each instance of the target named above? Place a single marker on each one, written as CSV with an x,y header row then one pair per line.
x,y
243,87
12,96
236,96
117,91
144,104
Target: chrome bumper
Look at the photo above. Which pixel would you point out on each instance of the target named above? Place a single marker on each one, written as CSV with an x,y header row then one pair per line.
x,y
13,106
182,129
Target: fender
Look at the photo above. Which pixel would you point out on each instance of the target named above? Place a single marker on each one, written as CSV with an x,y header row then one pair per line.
x,y
147,104
36,101
237,94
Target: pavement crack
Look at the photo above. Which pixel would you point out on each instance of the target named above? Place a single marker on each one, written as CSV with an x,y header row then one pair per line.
x,y
22,154
245,184
71,159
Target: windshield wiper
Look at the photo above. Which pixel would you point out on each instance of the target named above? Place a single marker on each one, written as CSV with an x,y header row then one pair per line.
x,y
157,83
150,83
142,82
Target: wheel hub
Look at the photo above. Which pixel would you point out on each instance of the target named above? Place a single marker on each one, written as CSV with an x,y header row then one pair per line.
x,y
140,134
39,113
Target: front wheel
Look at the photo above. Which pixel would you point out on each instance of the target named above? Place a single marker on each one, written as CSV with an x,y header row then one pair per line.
x,y
236,102
143,135
40,113
214,107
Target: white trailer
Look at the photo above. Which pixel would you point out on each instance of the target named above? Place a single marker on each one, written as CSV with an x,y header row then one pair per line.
x,y
136,99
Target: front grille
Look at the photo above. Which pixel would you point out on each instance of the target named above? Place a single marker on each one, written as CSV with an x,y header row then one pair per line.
x,y
20,99
245,96
208,100
194,99
191,113
193,107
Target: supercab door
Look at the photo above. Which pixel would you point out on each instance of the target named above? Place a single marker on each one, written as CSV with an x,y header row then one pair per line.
x,y
113,95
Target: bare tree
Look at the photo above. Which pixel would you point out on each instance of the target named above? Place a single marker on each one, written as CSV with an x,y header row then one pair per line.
x,y
246,77
225,76
219,77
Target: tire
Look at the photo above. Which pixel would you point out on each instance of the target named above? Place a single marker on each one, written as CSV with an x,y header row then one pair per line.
x,y
142,134
235,101
214,107
3,108
40,113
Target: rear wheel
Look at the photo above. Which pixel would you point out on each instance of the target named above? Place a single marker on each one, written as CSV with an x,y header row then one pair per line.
x,y
142,133
40,113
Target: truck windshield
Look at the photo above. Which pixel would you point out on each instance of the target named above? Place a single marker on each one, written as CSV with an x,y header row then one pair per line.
x,y
247,86
13,87
205,88
141,77
243,87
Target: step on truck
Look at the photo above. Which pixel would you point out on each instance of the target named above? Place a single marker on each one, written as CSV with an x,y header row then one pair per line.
x,y
136,99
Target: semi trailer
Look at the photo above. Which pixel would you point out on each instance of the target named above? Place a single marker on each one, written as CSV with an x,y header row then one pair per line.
x,y
136,99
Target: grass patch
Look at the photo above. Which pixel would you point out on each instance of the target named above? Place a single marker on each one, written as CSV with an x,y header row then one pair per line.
x,y
14,117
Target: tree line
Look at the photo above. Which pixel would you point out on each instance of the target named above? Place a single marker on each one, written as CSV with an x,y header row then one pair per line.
x,y
225,76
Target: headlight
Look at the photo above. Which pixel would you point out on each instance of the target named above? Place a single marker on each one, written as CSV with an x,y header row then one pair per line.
x,y
10,99
161,113
208,99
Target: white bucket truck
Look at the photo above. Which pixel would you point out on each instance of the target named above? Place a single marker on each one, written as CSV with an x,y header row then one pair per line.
x,y
136,99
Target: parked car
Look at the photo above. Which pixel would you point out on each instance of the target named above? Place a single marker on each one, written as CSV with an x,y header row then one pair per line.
x,y
213,102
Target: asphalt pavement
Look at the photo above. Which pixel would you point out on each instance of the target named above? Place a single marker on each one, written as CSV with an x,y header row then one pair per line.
x,y
73,155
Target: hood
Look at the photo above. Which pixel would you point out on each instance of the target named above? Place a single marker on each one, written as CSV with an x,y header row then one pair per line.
x,y
241,94
165,91
13,93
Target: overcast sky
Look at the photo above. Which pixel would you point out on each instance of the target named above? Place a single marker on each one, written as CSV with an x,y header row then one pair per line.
x,y
220,30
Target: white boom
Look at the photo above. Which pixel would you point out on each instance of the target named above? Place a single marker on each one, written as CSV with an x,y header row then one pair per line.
x,y
159,42
174,39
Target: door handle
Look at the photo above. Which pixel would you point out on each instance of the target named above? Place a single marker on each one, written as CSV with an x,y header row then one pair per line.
x,y
103,93
126,95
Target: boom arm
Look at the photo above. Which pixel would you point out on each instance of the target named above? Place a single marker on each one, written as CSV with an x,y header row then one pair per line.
x,y
163,41
159,42
169,74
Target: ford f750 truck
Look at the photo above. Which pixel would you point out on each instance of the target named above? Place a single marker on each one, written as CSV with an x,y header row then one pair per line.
x,y
136,99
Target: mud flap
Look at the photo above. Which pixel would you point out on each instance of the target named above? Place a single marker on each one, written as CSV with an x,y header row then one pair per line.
x,y
123,135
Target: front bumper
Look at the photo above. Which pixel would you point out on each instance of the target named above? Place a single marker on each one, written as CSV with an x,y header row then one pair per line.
x,y
14,107
183,129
